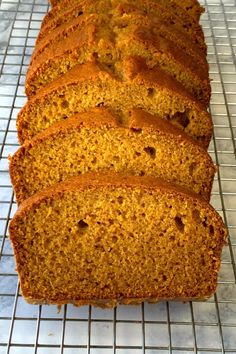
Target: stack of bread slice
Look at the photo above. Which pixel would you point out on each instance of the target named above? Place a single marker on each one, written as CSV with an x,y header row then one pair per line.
x,y
113,178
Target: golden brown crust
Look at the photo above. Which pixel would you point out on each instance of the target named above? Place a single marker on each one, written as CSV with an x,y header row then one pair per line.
x,y
61,12
56,17
61,32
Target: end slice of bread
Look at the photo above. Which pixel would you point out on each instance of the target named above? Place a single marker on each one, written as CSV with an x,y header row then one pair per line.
x,y
109,238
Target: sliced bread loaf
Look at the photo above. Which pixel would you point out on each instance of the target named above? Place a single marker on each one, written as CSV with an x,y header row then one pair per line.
x,y
135,143
127,85
104,239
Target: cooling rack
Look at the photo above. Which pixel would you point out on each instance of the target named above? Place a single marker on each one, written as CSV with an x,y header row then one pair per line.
x,y
166,327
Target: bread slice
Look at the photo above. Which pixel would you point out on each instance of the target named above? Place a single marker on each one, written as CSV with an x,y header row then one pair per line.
x,y
112,39
104,239
134,143
172,14
128,86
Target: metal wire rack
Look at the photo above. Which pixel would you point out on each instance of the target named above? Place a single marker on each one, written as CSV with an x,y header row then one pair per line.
x,y
196,327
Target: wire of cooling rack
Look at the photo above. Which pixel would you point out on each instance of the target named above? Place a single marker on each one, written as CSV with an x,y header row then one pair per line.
x,y
167,327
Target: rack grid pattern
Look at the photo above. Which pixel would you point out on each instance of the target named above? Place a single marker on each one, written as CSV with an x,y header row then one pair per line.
x,y
166,327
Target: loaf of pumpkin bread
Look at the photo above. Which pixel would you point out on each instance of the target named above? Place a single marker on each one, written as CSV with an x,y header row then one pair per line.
x,y
106,239
113,179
